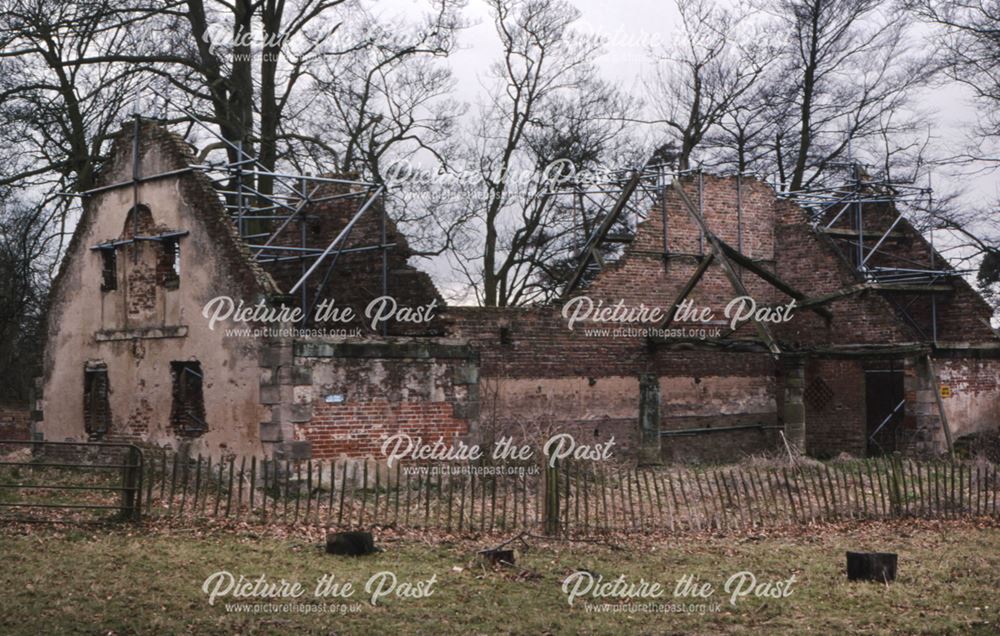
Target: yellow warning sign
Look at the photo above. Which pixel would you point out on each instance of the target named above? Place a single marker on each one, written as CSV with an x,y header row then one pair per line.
x,y
945,391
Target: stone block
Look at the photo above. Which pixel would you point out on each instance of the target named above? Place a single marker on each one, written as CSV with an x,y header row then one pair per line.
x,y
270,394
293,450
468,410
299,413
276,355
464,374
270,432
794,412
267,376
301,375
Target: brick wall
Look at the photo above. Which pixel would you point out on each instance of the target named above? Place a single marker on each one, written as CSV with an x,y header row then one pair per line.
x,y
651,275
539,377
359,430
836,425
15,423
362,393
809,262
356,279
974,401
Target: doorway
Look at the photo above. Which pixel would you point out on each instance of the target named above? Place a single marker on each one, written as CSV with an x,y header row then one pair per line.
x,y
885,407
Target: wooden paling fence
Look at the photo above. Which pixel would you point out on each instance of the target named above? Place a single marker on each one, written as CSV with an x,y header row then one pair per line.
x,y
344,493
752,496
579,498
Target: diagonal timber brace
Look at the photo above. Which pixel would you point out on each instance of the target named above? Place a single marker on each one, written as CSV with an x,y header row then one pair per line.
x,y
773,279
719,253
686,290
589,251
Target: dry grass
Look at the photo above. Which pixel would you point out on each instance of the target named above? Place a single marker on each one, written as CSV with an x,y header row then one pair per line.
x,y
148,580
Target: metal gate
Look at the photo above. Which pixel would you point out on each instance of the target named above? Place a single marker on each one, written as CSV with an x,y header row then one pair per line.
x,y
70,482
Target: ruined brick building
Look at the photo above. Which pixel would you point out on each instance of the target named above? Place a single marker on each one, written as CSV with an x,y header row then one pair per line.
x,y
885,349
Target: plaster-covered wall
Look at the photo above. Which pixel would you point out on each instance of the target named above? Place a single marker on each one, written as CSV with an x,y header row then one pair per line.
x,y
974,401
139,328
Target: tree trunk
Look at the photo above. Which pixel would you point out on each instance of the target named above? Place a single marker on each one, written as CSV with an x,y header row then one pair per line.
x,y
269,112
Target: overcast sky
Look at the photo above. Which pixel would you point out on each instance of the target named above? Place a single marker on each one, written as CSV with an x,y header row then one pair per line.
x,y
632,27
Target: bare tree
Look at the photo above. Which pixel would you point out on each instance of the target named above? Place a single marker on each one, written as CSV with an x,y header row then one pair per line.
x,y
383,102
973,234
585,141
237,65
260,108
848,65
544,81
699,80
969,32
25,257
70,70
746,136
57,107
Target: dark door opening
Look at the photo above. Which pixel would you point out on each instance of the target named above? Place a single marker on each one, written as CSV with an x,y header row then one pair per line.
x,y
884,407
188,410
96,405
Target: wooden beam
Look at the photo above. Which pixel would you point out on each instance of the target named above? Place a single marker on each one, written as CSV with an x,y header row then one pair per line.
x,y
727,268
772,278
936,386
743,345
688,286
598,237
809,303
866,351
848,233
713,344
911,287
834,295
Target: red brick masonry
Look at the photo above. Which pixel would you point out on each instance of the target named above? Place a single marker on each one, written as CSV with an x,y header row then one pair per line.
x,y
358,429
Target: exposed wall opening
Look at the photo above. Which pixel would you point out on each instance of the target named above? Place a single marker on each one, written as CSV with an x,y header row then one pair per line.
x,y
96,406
139,221
884,407
187,412
169,265
109,269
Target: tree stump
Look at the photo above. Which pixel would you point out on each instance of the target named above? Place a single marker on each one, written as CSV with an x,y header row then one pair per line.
x,y
498,557
351,543
871,566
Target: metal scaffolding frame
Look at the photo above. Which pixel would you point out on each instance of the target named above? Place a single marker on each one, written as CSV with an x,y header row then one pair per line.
x,y
615,193
846,204
293,199
825,207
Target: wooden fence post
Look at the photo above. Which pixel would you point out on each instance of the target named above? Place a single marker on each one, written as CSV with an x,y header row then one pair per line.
x,y
552,498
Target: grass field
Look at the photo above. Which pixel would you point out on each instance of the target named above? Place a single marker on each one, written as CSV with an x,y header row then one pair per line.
x,y
149,581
